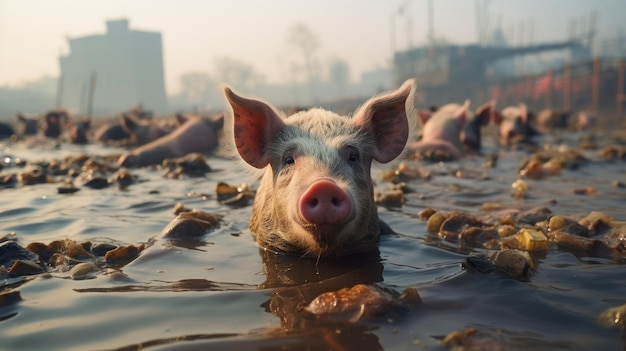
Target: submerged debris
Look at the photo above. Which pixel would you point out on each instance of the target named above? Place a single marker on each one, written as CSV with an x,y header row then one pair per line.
x,y
81,260
405,173
84,270
470,339
190,225
520,188
191,165
614,317
515,263
234,195
392,198
358,302
123,254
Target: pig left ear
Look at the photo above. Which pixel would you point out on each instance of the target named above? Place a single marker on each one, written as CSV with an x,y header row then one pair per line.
x,y
254,125
385,118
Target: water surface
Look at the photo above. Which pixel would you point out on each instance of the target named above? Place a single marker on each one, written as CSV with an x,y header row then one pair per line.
x,y
224,293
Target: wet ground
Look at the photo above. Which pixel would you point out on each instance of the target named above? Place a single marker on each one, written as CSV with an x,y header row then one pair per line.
x,y
221,292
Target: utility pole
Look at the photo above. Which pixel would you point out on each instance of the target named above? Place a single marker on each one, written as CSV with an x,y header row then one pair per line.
x,y
431,26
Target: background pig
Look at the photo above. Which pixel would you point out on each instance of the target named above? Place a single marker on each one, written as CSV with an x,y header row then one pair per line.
x,y
110,133
27,125
471,135
316,196
515,124
6,130
53,122
77,130
548,119
441,130
143,131
195,135
586,119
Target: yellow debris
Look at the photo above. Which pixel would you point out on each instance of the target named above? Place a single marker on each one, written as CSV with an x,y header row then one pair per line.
x,y
532,240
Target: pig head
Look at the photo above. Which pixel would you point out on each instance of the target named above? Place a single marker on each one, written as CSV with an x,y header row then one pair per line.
x,y
316,196
441,131
515,124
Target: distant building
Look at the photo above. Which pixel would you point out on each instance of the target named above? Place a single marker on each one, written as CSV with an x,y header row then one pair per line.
x,y
124,66
452,72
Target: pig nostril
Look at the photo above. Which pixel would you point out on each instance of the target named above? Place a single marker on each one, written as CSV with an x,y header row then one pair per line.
x,y
335,201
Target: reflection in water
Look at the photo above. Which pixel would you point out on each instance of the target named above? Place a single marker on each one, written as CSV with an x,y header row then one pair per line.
x,y
295,282
291,283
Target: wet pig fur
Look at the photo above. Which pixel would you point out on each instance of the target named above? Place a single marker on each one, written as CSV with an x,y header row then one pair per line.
x,y
316,195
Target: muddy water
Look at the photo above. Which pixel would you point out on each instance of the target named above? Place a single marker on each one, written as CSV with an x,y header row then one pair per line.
x,y
223,293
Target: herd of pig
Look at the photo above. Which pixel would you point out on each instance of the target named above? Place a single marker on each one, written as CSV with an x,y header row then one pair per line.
x,y
153,140
315,197
454,129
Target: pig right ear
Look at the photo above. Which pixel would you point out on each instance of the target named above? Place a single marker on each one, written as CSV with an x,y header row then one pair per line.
x,y
180,119
254,125
423,116
385,117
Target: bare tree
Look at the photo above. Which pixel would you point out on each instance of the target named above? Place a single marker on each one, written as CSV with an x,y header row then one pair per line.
x,y
302,39
236,73
339,72
198,90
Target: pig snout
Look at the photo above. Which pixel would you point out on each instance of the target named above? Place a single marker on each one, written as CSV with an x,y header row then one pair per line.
x,y
324,202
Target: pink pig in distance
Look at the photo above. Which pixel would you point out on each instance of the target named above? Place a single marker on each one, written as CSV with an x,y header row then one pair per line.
x,y
442,130
316,196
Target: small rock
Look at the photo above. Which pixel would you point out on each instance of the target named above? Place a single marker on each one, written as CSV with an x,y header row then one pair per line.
x,y
23,267
84,270
123,254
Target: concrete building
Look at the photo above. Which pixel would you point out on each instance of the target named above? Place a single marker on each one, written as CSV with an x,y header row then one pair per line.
x,y
121,69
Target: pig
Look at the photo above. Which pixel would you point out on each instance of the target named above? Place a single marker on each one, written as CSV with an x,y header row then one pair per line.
x,y
441,131
316,197
27,125
195,135
143,131
471,134
77,130
53,122
549,119
6,130
110,133
586,119
515,124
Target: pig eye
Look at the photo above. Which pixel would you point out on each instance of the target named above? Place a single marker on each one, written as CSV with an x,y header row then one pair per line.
x,y
289,160
353,156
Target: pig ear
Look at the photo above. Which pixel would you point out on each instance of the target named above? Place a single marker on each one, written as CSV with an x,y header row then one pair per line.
x,y
484,112
128,123
385,117
254,125
423,116
461,112
181,119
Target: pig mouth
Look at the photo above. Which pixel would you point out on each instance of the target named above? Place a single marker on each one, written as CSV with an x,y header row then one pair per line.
x,y
325,235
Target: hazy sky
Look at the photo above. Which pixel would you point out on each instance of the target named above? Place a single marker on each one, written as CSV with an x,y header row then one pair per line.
x,y
33,32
